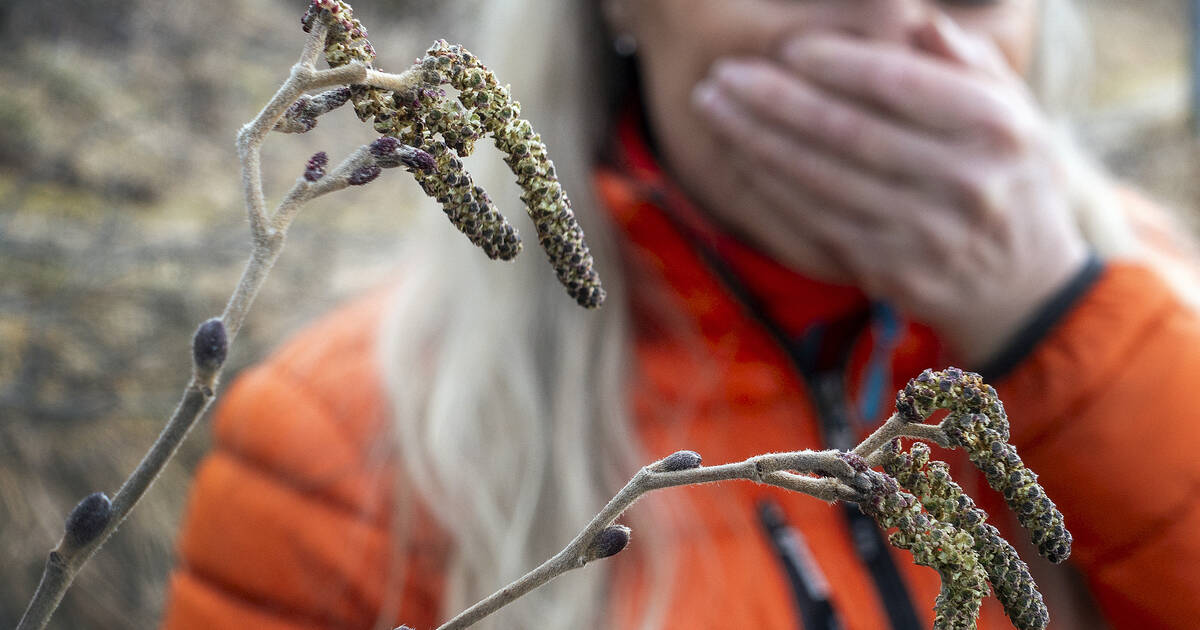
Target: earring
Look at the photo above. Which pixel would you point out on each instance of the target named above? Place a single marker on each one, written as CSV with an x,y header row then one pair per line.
x,y
625,44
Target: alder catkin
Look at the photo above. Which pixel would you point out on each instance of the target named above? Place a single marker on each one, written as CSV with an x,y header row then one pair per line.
x,y
945,500
978,424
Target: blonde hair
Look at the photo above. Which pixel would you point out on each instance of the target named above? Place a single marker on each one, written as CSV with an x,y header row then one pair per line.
x,y
509,401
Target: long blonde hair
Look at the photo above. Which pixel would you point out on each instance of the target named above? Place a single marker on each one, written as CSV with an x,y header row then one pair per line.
x,y
509,401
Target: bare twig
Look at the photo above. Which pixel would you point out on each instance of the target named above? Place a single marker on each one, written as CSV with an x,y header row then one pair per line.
x,y
80,543
837,480
769,469
897,427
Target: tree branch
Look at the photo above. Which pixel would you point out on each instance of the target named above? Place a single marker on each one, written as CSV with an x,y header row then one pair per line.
x,y
769,469
84,537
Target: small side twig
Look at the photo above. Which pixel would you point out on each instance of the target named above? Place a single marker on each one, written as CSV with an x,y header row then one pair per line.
x,y
826,475
769,469
84,536
895,427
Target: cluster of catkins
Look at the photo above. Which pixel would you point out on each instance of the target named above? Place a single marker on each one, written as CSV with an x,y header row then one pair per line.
x,y
447,130
978,424
934,542
945,501
941,525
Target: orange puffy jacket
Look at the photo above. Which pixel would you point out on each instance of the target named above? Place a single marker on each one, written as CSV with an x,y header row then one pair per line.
x,y
288,522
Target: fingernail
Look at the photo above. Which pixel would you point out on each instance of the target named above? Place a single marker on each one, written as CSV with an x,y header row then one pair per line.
x,y
731,73
947,32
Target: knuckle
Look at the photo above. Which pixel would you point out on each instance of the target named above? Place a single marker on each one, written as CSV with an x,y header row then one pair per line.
x,y
843,128
891,78
978,190
1006,129
939,249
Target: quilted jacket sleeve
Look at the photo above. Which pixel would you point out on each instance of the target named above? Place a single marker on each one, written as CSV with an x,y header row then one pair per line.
x,y
291,522
1106,411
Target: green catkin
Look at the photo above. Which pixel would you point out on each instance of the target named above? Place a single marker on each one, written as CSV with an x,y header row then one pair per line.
x,y
559,232
933,543
978,424
930,482
448,130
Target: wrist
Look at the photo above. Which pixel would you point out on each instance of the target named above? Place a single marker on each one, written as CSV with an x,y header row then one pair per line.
x,y
994,335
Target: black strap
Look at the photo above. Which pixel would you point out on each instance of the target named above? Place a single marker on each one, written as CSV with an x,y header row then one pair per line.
x,y
1043,321
810,590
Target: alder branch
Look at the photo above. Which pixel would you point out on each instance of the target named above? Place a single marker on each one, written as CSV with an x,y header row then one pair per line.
x,y
96,518
838,480
428,134
895,427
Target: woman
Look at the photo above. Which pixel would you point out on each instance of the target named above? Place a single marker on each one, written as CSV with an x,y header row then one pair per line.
x,y
801,205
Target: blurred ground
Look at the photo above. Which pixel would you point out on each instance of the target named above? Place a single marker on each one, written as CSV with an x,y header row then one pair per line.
x,y
121,228
1139,121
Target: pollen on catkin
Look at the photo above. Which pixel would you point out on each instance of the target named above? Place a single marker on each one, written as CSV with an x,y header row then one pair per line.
x,y
447,130
989,451
935,544
945,500
978,424
548,206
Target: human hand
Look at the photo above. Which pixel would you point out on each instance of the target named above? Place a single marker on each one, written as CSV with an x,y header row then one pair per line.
x,y
925,175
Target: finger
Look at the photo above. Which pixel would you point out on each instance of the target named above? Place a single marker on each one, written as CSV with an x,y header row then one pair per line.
x,y
831,244
940,36
912,265
914,86
770,91
868,195
766,222
788,240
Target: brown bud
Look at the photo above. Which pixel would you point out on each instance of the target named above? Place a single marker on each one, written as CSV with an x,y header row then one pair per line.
x,y
364,175
89,517
609,542
210,344
315,168
680,460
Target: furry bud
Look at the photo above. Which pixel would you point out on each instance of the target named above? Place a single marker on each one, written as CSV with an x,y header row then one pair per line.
x,y
89,517
209,346
390,153
364,175
680,460
315,168
609,542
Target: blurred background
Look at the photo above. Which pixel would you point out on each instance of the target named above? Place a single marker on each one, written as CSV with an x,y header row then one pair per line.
x,y
121,228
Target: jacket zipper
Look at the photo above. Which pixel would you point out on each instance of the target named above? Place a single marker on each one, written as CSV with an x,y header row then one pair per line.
x,y
810,356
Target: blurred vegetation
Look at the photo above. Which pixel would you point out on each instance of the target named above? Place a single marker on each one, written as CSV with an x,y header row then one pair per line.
x,y
121,228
